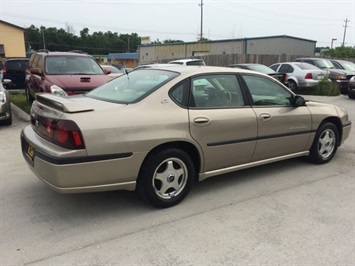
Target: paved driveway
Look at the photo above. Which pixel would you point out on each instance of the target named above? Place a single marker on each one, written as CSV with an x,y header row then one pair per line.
x,y
287,213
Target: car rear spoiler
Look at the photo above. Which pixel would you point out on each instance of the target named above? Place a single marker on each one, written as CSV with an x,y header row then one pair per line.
x,y
63,104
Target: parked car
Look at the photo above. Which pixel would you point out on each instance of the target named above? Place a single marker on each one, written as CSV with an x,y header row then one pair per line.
x,y
300,75
282,77
14,69
351,88
114,72
338,76
188,62
342,64
5,103
74,72
157,130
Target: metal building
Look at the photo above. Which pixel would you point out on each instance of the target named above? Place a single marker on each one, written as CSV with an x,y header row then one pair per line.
x,y
282,45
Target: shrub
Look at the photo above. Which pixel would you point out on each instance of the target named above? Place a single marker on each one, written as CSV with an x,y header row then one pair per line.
x,y
327,88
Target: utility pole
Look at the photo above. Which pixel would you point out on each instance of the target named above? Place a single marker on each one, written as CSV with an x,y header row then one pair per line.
x,y
201,33
346,25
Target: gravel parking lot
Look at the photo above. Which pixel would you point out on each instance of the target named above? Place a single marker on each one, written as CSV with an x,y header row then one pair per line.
x,y
287,213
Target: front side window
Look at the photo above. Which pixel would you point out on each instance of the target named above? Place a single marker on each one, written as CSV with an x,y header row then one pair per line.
x,y
132,87
266,92
216,91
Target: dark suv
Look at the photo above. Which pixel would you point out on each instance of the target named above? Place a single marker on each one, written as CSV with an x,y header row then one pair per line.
x,y
14,69
341,77
74,72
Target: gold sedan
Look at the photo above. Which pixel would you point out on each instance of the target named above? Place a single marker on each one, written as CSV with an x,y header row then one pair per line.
x,y
157,130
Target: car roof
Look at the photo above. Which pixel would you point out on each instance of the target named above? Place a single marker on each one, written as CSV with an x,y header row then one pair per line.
x,y
195,70
63,53
186,60
312,58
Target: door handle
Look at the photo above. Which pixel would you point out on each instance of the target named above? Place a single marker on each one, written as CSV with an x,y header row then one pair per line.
x,y
265,116
201,120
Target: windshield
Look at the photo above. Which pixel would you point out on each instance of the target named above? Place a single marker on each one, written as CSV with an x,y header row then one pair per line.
x,y
261,68
348,66
132,87
324,64
72,65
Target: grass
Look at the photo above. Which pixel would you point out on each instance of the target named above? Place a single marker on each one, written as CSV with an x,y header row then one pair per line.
x,y
19,99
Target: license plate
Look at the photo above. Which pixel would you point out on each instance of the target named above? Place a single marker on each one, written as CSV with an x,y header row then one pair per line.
x,y
30,152
320,77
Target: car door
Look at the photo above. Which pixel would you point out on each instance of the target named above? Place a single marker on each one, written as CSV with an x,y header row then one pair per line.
x,y
283,129
224,127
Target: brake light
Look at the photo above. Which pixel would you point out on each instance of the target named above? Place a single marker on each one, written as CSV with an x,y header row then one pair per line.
x,y
4,70
308,76
64,133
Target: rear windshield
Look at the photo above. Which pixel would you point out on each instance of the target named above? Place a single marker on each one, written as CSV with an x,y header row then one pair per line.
x,y
72,65
306,66
261,68
132,87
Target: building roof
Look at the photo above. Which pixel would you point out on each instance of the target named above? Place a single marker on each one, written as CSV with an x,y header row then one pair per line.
x,y
238,39
12,25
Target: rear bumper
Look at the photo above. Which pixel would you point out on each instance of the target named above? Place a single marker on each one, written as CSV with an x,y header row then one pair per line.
x,y
71,171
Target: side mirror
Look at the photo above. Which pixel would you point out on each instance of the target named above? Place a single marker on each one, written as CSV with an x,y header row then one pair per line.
x,y
107,71
299,101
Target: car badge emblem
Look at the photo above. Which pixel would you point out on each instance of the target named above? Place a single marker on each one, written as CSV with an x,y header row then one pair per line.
x,y
164,101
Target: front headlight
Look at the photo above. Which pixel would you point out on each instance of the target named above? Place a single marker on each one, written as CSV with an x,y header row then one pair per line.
x,y
56,90
2,97
340,76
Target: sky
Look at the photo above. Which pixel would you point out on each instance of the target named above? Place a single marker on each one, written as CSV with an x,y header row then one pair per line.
x,y
321,21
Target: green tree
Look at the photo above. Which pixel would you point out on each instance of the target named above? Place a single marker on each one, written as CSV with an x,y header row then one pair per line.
x,y
341,52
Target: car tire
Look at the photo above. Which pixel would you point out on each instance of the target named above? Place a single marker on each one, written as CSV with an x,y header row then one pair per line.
x,y
351,96
325,143
166,177
29,97
292,84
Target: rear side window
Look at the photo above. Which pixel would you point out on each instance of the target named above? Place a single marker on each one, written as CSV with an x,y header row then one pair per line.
x,y
286,68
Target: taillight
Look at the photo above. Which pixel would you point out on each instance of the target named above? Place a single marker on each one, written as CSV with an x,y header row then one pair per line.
x,y
64,133
308,76
4,70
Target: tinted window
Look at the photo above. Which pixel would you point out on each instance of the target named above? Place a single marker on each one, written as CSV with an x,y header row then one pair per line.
x,y
266,92
195,63
14,66
180,93
216,91
286,68
274,67
133,86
